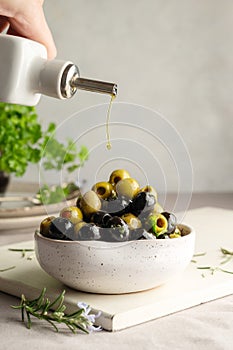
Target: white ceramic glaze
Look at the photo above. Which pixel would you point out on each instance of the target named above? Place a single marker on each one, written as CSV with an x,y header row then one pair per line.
x,y
17,78
25,72
115,268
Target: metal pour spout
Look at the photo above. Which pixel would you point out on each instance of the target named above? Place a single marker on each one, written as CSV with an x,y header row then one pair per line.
x,y
70,81
94,85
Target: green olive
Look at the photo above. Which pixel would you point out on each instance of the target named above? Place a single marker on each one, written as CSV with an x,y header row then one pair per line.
x,y
128,187
157,224
175,234
103,189
151,190
79,225
118,175
132,221
90,203
73,214
45,224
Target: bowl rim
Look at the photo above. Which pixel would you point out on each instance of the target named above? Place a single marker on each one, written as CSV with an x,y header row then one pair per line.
x,y
110,245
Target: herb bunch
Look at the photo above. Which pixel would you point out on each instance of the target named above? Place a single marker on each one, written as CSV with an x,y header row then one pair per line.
x,y
20,138
22,141
41,309
56,193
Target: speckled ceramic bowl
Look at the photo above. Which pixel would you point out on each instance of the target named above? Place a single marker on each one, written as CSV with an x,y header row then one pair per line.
x,y
115,268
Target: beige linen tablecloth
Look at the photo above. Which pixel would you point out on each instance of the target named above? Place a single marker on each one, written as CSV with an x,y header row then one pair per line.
x,y
208,326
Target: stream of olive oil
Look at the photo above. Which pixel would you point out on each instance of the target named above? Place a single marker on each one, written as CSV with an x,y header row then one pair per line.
x,y
108,145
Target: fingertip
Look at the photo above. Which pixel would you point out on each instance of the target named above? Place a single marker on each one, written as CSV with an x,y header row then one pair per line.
x,y
51,51
3,23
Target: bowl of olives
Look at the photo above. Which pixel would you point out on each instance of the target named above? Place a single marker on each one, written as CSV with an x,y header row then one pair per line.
x,y
116,239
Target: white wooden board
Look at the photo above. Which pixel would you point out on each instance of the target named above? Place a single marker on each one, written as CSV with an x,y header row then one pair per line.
x,y
213,229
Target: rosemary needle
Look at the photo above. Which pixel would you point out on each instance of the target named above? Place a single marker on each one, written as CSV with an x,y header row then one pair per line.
x,y
8,268
226,252
199,254
23,251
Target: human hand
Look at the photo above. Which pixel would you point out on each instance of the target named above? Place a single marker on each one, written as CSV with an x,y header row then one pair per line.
x,y
26,18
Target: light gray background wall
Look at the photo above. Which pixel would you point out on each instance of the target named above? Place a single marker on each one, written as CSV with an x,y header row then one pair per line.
x,y
175,57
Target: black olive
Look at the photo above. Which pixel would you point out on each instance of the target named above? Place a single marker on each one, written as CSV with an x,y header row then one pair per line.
x,y
89,232
163,236
106,234
61,228
101,218
116,231
120,233
97,217
116,207
171,221
136,234
105,220
115,221
143,203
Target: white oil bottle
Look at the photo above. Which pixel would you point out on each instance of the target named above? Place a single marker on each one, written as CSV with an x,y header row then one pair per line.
x,y
26,74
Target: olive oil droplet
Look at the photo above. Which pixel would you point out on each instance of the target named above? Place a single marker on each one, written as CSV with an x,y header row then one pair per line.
x,y
108,145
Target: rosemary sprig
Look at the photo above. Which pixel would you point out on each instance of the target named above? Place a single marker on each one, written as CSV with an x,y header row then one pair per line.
x,y
212,269
8,268
23,251
41,309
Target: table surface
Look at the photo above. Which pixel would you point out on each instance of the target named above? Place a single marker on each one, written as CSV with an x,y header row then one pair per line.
x,y
207,326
